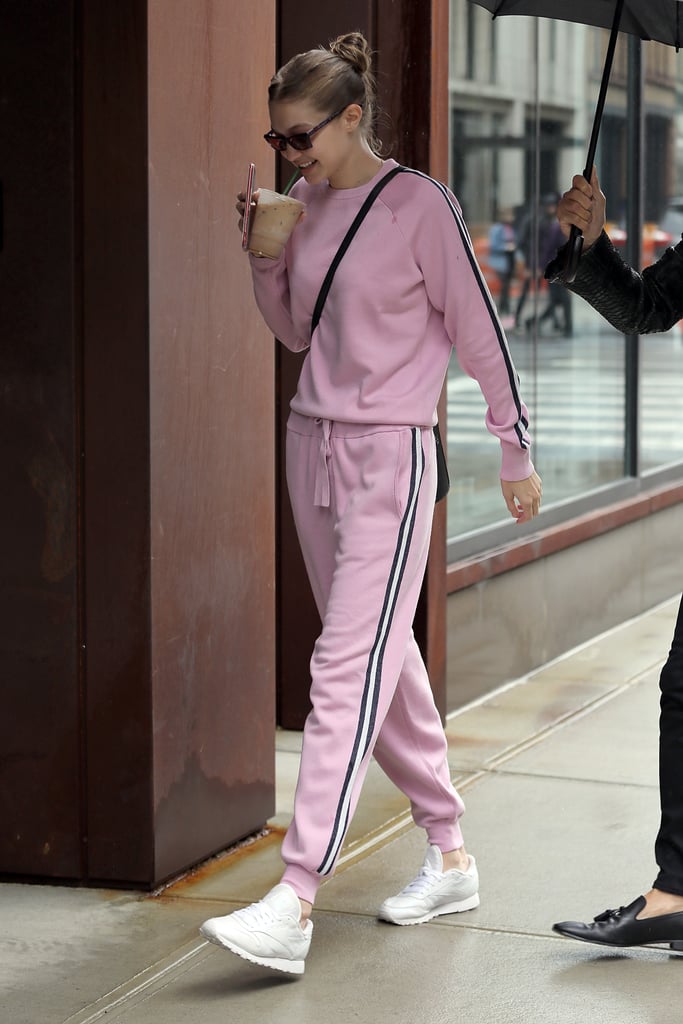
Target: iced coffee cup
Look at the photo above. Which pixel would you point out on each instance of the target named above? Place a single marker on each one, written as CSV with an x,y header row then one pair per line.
x,y
272,222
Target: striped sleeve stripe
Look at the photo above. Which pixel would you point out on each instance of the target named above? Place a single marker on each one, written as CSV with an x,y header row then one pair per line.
x,y
490,305
373,676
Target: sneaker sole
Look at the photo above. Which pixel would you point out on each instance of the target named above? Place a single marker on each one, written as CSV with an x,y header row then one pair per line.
x,y
275,963
448,908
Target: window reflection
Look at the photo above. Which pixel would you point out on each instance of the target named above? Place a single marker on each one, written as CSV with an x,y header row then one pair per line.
x,y
522,98
661,394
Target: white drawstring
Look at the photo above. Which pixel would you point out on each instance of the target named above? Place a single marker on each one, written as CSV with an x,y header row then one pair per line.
x,y
322,476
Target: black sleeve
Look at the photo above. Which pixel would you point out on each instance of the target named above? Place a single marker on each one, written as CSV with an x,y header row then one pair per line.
x,y
633,303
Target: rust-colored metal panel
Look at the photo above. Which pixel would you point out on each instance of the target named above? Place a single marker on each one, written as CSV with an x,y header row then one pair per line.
x,y
212,434
179,441
39,742
118,705
411,41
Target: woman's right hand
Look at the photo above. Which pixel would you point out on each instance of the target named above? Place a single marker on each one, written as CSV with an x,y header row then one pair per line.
x,y
239,206
584,207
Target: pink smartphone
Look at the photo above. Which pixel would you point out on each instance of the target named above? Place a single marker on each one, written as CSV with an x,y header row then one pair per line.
x,y
248,193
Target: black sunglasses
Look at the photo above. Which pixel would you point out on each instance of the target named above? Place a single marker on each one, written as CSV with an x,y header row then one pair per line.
x,y
300,140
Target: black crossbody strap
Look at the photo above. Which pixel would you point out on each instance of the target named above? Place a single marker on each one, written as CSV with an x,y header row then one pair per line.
x,y
443,481
346,242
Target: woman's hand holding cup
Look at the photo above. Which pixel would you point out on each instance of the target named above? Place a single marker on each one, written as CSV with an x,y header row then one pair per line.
x,y
272,221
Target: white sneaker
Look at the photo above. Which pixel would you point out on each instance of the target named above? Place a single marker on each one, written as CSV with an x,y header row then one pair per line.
x,y
433,892
268,932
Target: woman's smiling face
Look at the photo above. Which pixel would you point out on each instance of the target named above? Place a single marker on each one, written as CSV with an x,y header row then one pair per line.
x,y
331,146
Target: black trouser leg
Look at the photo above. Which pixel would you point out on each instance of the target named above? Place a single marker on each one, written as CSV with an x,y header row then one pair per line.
x,y
522,297
669,844
504,300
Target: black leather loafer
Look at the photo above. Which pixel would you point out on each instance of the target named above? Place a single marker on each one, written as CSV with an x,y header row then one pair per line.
x,y
622,928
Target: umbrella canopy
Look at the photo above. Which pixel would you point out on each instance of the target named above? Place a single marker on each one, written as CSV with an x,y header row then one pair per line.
x,y
657,20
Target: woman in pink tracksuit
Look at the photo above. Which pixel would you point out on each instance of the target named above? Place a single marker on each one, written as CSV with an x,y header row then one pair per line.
x,y
361,473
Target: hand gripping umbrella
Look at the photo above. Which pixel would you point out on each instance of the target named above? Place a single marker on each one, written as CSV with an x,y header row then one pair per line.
x,y
658,20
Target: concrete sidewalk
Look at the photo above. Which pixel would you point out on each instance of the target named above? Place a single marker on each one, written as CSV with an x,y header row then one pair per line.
x,y
559,771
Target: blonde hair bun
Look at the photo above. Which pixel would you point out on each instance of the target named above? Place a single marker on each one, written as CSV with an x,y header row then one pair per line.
x,y
355,50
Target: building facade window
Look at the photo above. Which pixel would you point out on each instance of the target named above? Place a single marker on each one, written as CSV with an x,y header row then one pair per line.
x,y
521,113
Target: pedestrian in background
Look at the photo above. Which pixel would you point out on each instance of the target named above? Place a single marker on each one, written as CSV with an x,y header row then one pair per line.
x,y
549,237
501,258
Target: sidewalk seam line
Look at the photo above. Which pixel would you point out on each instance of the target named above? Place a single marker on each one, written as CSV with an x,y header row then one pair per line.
x,y
111,1000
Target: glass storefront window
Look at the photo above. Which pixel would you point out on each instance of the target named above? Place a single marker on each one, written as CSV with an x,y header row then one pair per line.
x,y
661,355
522,98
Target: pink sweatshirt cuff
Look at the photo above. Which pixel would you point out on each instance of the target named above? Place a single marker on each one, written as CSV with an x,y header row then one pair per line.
x,y
516,463
264,263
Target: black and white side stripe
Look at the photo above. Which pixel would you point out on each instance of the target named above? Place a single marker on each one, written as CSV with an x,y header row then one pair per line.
x,y
373,675
522,423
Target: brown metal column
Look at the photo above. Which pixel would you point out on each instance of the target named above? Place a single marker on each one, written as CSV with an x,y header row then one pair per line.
x,y
412,64
212,434
179,498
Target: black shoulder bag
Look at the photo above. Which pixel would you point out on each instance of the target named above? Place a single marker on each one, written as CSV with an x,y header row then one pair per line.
x,y
443,482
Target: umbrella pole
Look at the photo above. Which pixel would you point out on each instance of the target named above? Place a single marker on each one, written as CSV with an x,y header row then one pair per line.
x,y
574,246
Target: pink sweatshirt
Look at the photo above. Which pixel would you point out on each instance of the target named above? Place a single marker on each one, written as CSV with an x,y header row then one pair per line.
x,y
407,290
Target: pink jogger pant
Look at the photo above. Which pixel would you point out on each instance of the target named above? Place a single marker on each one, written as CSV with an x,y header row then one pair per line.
x,y
363,499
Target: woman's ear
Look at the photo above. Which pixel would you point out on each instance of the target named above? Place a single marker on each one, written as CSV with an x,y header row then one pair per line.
x,y
351,117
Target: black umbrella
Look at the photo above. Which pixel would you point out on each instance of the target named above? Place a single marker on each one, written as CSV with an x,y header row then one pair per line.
x,y
658,20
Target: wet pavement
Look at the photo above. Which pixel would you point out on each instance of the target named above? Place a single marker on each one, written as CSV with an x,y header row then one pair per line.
x,y
559,774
